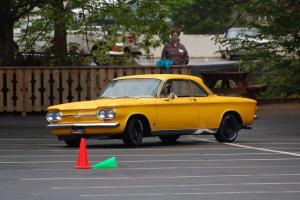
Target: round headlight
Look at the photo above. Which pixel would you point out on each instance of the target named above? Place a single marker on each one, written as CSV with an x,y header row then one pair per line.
x,y
50,117
58,116
53,116
110,114
101,114
106,114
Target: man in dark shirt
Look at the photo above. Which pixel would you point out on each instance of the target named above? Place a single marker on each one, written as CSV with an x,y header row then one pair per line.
x,y
175,51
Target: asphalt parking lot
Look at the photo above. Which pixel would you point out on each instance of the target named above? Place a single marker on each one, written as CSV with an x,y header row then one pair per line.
x,y
264,163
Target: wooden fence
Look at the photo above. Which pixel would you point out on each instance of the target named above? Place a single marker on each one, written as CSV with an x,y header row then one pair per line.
x,y
28,89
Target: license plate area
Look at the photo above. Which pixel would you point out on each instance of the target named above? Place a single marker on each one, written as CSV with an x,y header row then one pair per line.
x,y
78,130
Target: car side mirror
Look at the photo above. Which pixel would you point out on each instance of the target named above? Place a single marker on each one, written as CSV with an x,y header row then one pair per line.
x,y
172,96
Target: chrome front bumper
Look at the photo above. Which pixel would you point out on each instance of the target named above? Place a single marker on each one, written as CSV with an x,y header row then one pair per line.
x,y
93,125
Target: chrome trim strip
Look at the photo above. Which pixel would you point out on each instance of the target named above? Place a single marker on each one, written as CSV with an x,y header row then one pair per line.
x,y
111,124
184,132
79,115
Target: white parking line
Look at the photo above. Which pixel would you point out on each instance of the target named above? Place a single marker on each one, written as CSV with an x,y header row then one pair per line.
x,y
137,155
273,143
40,162
132,178
153,177
193,138
170,186
263,149
54,144
203,140
113,149
25,139
170,168
194,193
250,147
119,149
147,161
207,160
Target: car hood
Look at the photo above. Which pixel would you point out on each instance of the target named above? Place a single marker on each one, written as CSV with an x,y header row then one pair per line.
x,y
99,103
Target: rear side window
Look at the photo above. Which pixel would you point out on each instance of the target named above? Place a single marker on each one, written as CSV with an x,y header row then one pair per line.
x,y
197,91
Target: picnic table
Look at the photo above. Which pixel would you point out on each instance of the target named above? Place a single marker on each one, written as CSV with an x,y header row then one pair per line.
x,y
232,84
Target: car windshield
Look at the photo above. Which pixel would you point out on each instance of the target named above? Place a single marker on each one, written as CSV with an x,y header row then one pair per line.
x,y
131,88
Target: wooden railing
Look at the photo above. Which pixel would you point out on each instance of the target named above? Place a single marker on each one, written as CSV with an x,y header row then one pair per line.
x,y
27,89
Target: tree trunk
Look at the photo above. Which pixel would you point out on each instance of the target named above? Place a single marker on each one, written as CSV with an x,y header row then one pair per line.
x,y
7,44
60,33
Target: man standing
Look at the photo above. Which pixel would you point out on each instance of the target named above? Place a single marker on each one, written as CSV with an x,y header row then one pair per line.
x,y
175,51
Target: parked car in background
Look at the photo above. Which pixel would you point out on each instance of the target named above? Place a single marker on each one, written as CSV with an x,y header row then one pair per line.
x,y
127,46
81,42
124,44
235,37
163,105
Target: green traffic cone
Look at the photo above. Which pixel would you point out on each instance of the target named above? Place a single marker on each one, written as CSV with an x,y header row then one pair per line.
x,y
108,163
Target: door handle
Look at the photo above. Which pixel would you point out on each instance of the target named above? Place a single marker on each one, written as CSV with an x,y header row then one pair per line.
x,y
193,99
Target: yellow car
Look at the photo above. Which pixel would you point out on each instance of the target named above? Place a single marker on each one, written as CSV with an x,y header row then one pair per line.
x,y
163,105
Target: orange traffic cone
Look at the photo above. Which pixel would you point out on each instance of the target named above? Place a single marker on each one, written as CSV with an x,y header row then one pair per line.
x,y
82,161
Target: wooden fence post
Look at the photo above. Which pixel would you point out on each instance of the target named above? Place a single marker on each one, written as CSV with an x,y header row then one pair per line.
x,y
1,92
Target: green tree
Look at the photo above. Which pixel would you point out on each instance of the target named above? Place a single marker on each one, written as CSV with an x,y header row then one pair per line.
x,y
60,28
114,20
276,59
59,13
200,16
145,20
10,12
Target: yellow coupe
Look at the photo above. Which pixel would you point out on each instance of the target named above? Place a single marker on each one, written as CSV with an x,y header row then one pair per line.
x,y
163,105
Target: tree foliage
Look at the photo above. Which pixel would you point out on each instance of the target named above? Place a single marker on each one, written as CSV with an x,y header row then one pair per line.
x,y
144,20
97,21
276,59
200,16
10,12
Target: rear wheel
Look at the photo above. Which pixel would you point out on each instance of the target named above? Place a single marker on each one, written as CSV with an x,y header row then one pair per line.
x,y
228,130
169,138
134,132
72,142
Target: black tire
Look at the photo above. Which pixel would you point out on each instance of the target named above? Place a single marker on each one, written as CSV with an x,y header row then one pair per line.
x,y
134,132
228,130
72,142
169,138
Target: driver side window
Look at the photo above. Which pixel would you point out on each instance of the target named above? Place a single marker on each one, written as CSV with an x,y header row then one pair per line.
x,y
178,87
166,89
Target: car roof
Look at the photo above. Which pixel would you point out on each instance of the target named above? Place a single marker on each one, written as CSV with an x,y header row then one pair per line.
x,y
162,77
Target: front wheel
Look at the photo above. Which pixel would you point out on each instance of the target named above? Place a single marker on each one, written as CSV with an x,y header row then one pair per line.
x,y
228,130
134,132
